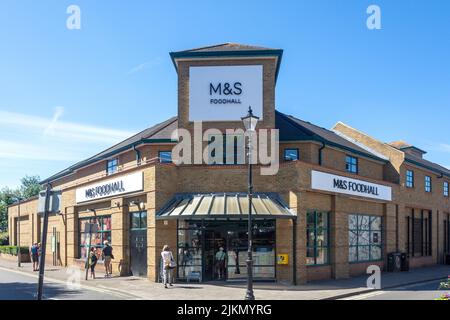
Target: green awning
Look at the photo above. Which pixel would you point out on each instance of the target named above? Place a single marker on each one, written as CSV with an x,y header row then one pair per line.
x,y
224,205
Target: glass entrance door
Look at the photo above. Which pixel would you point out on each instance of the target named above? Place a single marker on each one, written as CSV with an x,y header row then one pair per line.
x,y
214,240
199,243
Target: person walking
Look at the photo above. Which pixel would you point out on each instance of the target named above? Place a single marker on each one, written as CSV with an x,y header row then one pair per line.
x,y
168,265
93,262
221,258
107,257
34,253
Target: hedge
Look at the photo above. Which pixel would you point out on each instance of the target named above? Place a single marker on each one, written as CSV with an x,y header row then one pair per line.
x,y
12,250
4,238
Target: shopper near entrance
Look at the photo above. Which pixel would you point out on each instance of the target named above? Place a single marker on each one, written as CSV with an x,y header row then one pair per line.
x,y
168,265
107,257
221,258
34,252
93,262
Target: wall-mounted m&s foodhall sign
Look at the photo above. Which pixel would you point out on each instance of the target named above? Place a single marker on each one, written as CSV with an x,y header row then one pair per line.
x,y
333,183
224,93
113,187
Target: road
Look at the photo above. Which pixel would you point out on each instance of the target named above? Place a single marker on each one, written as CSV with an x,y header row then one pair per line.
x,y
421,291
16,285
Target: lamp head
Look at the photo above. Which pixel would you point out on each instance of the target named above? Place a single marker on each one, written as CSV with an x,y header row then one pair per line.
x,y
250,121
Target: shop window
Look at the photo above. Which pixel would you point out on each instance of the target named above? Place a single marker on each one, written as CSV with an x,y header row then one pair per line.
x,y
447,234
189,250
291,154
97,239
409,179
446,189
419,232
365,238
139,220
112,166
351,164
427,184
317,238
165,156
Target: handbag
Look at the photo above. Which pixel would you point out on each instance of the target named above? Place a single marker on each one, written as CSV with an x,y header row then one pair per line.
x,y
172,263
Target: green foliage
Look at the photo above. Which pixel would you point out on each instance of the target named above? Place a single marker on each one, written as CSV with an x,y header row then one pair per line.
x,y
12,250
29,188
445,285
4,238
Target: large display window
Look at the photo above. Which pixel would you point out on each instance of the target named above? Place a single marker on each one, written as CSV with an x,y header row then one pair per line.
x,y
103,233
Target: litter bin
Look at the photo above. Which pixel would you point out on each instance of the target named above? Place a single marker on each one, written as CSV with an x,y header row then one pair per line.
x,y
404,262
394,262
447,259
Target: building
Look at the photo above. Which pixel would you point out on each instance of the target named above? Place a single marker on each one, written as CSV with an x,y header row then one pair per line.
x,y
341,200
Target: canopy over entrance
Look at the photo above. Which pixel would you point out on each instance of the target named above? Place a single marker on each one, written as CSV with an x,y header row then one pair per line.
x,y
224,205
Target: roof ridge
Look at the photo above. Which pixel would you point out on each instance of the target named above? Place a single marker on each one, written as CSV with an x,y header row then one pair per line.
x,y
365,134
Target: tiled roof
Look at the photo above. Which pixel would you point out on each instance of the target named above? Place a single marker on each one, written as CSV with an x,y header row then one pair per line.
x,y
427,164
228,46
293,129
234,50
160,132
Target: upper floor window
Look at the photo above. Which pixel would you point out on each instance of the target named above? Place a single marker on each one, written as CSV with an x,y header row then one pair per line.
x,y
427,184
291,154
165,156
112,166
446,189
226,149
351,164
409,179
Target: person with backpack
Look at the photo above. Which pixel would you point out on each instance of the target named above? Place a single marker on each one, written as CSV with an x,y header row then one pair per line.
x,y
168,265
34,252
107,257
93,262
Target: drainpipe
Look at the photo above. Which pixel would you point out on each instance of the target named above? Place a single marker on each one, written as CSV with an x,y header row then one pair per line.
x,y
138,154
320,153
294,253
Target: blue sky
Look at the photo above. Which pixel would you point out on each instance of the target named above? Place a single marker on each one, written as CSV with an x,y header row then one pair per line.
x,y
67,94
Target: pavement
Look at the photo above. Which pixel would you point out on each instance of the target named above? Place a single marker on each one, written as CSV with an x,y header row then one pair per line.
x,y
419,291
141,288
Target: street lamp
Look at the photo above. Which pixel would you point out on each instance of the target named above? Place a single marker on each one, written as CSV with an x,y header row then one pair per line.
x,y
250,122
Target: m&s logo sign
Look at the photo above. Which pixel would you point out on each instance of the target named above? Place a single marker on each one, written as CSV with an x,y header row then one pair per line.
x,y
225,88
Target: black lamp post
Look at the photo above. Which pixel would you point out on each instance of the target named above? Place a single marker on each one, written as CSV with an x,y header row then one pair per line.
x,y
250,122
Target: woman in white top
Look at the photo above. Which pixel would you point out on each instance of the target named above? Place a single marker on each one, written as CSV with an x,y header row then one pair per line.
x,y
168,265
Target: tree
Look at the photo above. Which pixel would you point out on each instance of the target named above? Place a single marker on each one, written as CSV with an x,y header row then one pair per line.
x,y
29,188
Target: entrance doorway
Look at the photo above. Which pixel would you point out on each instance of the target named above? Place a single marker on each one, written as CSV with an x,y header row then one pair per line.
x,y
199,243
138,244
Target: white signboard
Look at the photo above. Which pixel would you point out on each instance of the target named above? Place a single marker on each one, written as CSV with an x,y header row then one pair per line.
x,y
113,187
339,184
224,93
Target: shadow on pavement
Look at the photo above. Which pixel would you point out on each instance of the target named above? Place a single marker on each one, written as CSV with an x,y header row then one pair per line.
x,y
28,291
